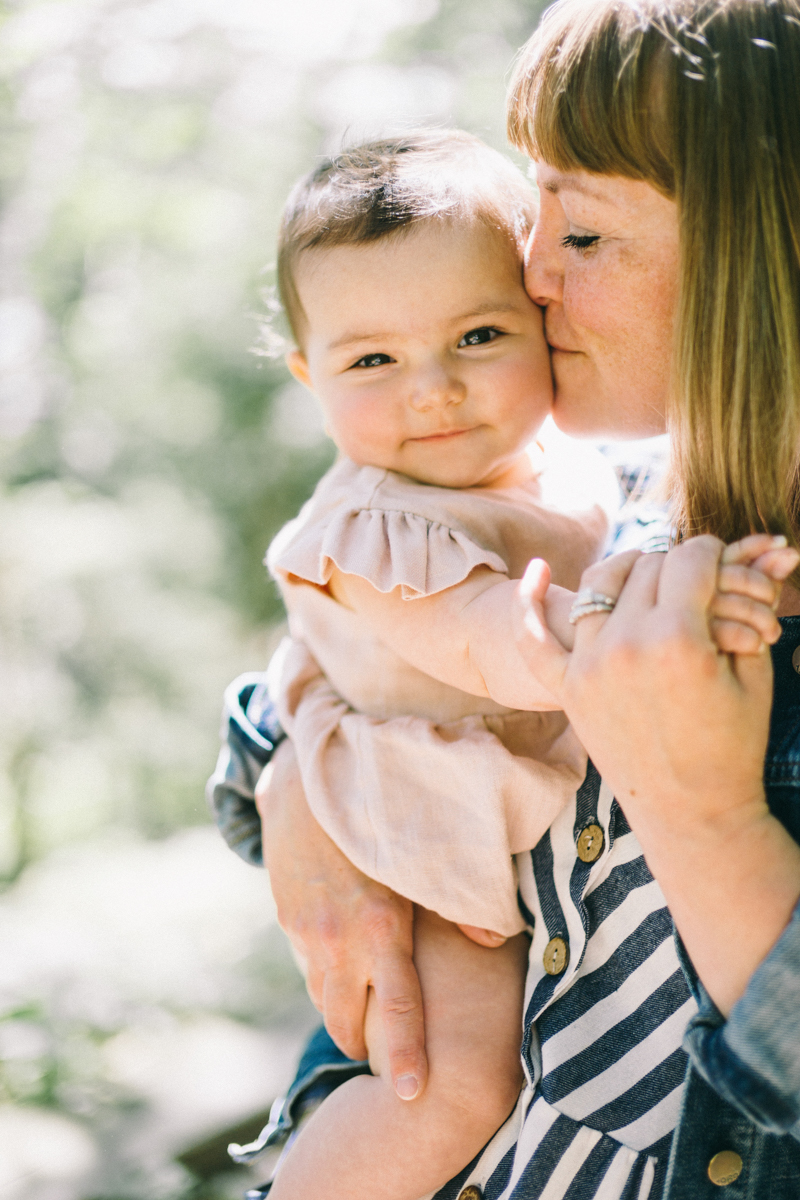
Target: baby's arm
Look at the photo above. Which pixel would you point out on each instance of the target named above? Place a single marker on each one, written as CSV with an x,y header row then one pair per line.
x,y
464,635
364,1143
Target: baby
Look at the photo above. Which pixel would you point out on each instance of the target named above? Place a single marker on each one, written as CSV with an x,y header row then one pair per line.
x,y
427,751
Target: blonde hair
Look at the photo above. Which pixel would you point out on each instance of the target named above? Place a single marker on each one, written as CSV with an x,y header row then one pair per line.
x,y
700,98
382,189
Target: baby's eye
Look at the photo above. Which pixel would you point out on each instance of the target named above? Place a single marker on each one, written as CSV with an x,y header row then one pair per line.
x,y
479,337
373,360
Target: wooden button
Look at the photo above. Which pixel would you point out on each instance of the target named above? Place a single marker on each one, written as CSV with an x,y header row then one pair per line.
x,y
725,1168
471,1193
796,660
590,843
556,956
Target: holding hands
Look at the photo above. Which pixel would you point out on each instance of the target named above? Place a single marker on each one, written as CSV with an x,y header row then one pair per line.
x,y
660,661
671,698
741,611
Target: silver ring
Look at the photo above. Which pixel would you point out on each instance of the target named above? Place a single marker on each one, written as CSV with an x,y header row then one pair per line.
x,y
588,602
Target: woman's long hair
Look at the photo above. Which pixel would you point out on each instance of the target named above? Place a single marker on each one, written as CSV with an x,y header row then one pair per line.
x,y
700,98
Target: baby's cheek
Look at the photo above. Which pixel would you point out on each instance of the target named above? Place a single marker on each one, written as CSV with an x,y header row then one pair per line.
x,y
363,430
528,389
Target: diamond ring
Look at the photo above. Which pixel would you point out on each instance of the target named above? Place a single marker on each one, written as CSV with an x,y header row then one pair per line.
x,y
587,602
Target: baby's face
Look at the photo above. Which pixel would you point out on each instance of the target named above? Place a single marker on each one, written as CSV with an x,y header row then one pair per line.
x,y
426,353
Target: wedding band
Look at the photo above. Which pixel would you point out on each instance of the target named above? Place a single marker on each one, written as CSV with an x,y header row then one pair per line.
x,y
588,602
589,596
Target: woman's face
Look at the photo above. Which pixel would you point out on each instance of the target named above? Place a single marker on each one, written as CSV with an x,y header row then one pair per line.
x,y
602,261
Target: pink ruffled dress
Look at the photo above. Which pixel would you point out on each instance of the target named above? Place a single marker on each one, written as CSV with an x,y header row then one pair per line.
x,y
424,787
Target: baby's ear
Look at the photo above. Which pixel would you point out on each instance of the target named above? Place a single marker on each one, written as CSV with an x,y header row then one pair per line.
x,y
296,362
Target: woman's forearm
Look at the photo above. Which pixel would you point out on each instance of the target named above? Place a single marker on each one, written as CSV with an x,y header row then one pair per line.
x,y
731,884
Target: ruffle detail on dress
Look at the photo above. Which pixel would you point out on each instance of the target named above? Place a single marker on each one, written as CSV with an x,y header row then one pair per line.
x,y
388,548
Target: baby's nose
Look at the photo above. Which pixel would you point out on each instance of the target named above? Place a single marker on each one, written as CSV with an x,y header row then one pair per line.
x,y
436,388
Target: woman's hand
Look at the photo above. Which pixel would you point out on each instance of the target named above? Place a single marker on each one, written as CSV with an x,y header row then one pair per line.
x,y
679,732
676,718
352,933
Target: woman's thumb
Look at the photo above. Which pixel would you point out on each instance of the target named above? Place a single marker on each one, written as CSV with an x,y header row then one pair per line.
x,y
543,653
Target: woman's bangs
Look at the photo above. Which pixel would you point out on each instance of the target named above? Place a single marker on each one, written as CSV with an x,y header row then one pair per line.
x,y
585,97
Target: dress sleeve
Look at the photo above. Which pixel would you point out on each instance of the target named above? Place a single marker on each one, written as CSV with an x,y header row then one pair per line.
x,y
388,548
752,1060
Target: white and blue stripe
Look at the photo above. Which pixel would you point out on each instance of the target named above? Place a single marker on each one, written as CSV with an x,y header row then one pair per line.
x,y
602,1041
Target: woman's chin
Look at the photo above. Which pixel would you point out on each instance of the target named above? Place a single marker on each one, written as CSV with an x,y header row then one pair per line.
x,y
581,413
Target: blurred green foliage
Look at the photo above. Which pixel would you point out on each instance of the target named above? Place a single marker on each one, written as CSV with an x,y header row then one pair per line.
x,y
147,456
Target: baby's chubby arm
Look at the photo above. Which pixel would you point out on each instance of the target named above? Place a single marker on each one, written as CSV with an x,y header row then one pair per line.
x,y
464,635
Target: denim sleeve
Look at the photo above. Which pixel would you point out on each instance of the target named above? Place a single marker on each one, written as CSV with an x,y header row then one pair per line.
x,y
752,1060
250,733
322,1068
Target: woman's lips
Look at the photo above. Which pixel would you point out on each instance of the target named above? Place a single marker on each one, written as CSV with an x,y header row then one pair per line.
x,y
558,347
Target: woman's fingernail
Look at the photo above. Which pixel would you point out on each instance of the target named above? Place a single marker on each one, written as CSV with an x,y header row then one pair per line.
x,y
406,1087
779,540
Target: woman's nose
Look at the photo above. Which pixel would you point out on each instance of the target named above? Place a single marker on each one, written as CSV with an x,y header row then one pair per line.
x,y
544,268
436,387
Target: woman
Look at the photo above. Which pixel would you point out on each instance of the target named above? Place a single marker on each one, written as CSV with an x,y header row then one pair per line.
x,y
667,259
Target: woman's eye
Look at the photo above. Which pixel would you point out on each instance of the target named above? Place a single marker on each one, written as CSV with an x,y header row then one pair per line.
x,y
479,337
373,360
576,241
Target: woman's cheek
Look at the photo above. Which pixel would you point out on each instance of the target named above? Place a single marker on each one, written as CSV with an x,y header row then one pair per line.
x,y
590,291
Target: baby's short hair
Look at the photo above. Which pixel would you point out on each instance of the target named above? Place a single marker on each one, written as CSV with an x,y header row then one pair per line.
x,y
378,189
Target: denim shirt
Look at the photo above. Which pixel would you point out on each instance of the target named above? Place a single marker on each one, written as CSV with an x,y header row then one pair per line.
x,y
743,1083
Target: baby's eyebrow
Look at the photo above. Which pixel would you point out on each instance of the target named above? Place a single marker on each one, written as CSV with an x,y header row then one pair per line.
x,y
353,337
481,310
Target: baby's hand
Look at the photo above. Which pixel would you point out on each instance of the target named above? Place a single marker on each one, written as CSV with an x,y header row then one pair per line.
x,y
742,614
751,572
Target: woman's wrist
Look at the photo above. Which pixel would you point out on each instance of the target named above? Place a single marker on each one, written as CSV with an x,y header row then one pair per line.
x,y
673,830
732,882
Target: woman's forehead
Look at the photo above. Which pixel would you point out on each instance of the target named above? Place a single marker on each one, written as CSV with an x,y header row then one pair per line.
x,y
581,182
616,197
